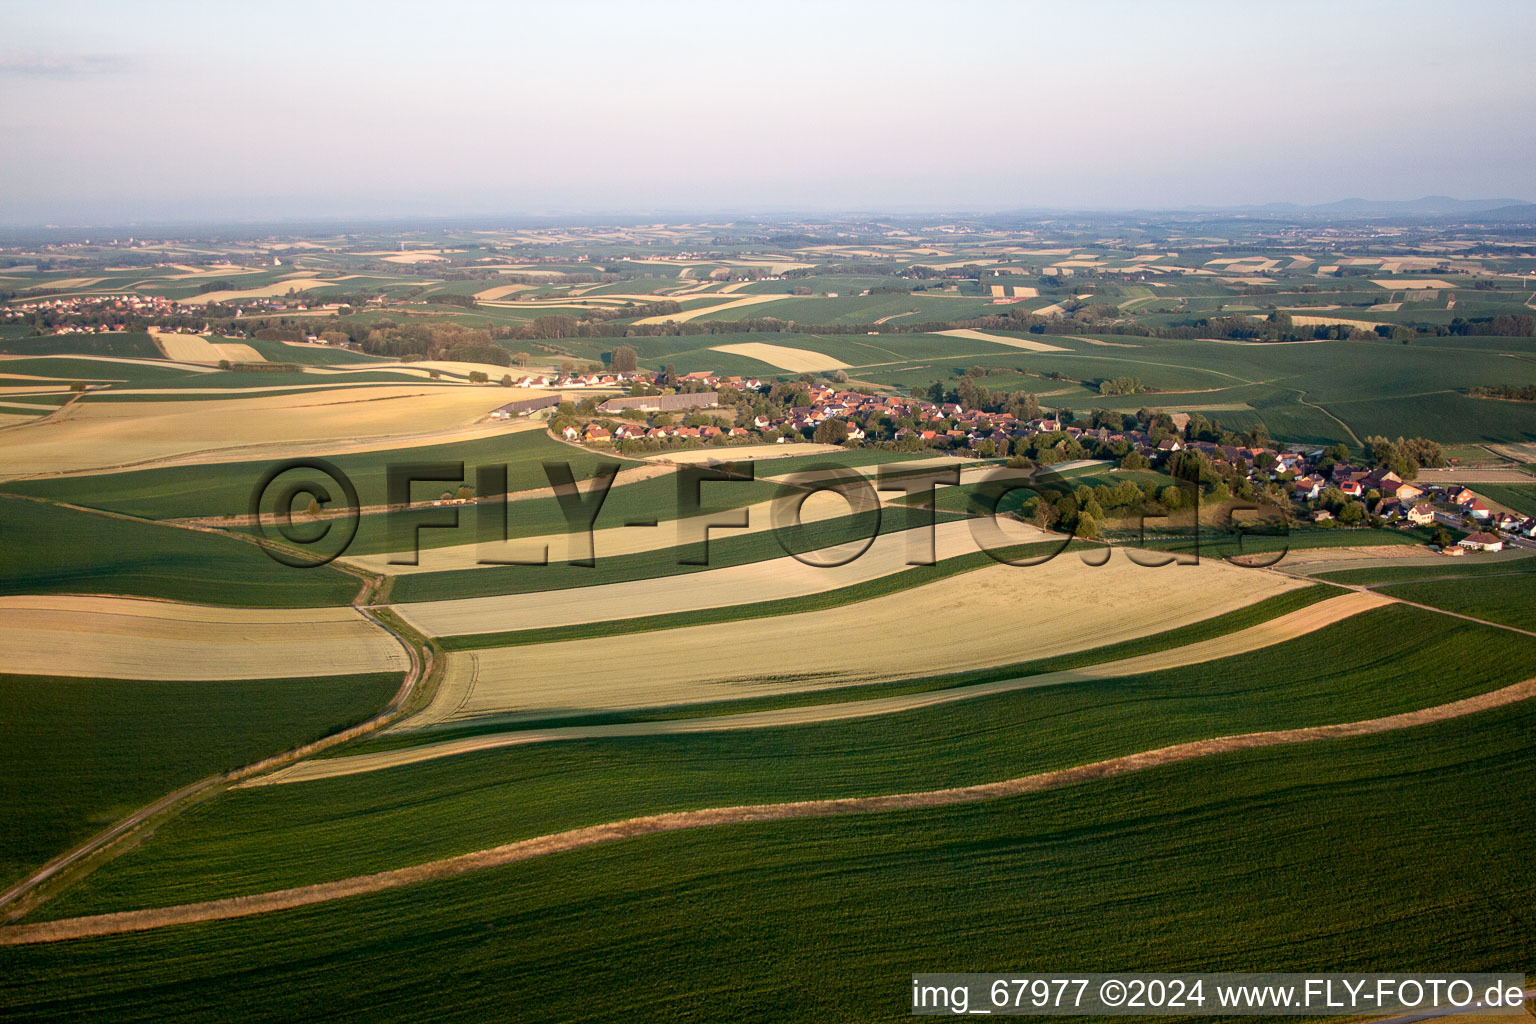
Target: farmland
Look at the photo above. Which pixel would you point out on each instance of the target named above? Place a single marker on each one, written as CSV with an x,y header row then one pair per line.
x,y
79,552
767,898
794,755
420,811
1505,599
82,752
766,656
224,488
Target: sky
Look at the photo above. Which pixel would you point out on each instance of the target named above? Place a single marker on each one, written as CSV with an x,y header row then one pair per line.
x,y
116,113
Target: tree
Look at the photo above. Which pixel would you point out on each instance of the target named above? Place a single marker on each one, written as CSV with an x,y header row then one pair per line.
x,y
831,432
1352,514
624,359
522,358
1121,386
478,377
1441,538
506,380
464,493
313,508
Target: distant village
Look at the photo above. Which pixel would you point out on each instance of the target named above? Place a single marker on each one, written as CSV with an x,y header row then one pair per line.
x,y
126,312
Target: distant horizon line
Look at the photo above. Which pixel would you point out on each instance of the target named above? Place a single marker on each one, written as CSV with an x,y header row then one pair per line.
x,y
1423,206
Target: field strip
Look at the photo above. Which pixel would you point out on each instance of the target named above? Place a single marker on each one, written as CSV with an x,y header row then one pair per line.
x,y
772,580
691,314
575,839
1265,634
196,348
1327,321
1001,339
951,625
262,451
269,291
126,638
24,895
750,453
607,542
104,436
330,385
795,360
131,360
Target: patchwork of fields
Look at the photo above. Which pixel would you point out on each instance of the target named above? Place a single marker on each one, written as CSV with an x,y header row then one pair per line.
x,y
531,737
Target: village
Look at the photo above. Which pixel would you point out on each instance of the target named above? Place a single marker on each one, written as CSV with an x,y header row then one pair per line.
x,y
1323,485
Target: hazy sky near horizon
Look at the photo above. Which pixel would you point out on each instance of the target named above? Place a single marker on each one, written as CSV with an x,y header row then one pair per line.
x,y
116,112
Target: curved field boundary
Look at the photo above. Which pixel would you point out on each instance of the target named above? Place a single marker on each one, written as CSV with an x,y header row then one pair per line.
x,y
574,839
1265,634
1002,339
24,895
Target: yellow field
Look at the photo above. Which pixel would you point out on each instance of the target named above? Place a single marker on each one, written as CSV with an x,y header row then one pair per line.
x,y
123,638
96,436
773,580
795,360
1286,627
277,288
690,314
607,542
1001,339
68,284
195,348
504,289
1414,284
744,453
945,627
1324,321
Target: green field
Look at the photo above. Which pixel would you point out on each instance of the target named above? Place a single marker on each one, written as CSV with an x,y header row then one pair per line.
x,y
46,549
1506,562
137,346
70,368
1508,599
81,753
1300,858
856,309
644,500
1376,852
1518,498
225,488
274,837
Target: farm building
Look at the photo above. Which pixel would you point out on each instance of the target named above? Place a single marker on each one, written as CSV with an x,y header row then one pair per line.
x,y
526,406
662,403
